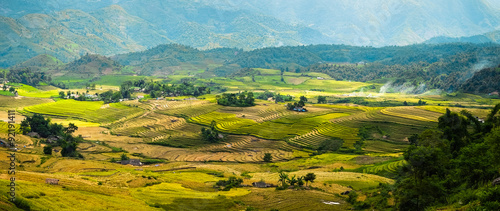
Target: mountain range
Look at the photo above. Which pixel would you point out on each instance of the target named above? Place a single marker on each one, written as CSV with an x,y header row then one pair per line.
x,y
70,29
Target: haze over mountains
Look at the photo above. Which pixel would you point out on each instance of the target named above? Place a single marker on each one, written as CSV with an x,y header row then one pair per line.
x,y
69,29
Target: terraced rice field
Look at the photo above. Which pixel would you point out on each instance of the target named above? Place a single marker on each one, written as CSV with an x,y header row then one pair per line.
x,y
411,113
391,167
14,103
86,110
151,121
310,140
225,122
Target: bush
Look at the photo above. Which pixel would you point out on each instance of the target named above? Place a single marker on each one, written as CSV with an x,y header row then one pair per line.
x,y
47,150
267,157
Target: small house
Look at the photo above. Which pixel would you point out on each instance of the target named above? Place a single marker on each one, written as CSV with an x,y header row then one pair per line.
x,y
33,135
52,181
134,162
320,78
299,109
261,184
53,139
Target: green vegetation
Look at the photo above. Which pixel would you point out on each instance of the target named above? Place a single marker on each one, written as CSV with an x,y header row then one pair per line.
x,y
242,99
457,158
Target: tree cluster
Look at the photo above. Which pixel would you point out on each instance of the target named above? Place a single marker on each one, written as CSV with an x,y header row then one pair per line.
x,y
226,185
453,164
243,99
211,134
300,104
28,76
285,181
37,123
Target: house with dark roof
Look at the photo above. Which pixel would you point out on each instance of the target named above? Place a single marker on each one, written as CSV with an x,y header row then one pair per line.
x,y
300,109
261,184
134,162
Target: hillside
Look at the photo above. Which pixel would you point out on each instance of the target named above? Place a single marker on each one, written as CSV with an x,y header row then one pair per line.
x,y
114,30
493,37
90,66
69,30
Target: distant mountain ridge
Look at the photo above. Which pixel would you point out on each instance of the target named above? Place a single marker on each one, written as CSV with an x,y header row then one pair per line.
x,y
493,37
70,33
69,29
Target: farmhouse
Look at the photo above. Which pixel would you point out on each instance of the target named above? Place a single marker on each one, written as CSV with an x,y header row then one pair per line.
x,y
52,181
134,162
261,184
33,135
300,109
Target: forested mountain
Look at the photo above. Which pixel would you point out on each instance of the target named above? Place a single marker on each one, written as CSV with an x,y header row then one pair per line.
x,y
493,37
68,30
485,81
135,26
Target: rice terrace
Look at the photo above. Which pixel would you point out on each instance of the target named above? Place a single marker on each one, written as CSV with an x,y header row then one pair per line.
x,y
96,116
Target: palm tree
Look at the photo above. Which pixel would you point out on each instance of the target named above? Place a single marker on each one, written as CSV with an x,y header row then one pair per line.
x,y
283,179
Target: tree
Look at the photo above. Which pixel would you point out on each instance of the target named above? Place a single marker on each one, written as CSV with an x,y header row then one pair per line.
x,y
321,99
300,181
283,178
71,128
25,126
47,150
310,177
267,157
124,157
230,183
405,103
11,89
304,99
293,180
61,94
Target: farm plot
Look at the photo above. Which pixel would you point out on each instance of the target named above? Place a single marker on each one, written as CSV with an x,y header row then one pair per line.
x,y
411,113
150,122
190,111
13,103
225,122
86,110
390,167
481,113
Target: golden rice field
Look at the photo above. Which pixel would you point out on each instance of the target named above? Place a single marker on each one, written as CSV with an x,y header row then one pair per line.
x,y
92,111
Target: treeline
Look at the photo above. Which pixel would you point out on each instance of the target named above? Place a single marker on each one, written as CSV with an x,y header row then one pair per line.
x,y
456,163
243,99
28,76
277,97
161,89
